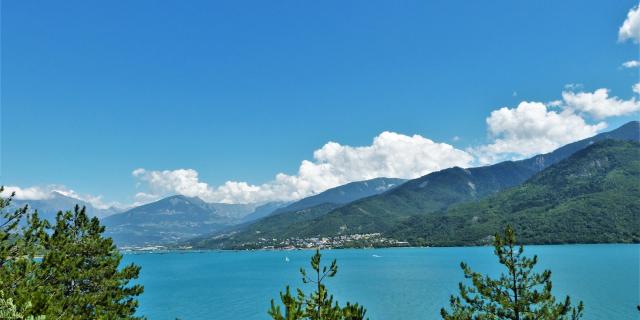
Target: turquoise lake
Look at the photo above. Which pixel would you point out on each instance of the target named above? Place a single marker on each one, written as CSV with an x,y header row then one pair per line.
x,y
397,283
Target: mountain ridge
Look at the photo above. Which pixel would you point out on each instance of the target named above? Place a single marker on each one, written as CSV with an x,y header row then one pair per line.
x,y
179,217
429,194
439,190
48,208
590,197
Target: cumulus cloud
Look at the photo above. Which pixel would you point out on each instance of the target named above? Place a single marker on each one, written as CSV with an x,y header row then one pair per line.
x,y
514,133
29,193
599,104
143,197
95,201
48,192
554,103
390,155
631,64
181,181
630,28
529,129
573,86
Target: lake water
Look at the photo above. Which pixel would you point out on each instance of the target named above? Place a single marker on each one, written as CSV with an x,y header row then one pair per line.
x,y
399,283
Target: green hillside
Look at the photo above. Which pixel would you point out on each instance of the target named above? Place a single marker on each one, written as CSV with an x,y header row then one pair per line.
x,y
591,197
459,206
268,228
438,191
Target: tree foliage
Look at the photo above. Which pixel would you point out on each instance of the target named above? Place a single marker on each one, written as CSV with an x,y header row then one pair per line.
x,y
518,294
319,305
9,311
18,266
65,271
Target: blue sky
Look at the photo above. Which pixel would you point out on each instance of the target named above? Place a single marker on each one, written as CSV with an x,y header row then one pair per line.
x,y
244,90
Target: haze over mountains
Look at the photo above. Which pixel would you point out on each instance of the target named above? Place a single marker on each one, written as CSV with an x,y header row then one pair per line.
x,y
344,194
173,218
47,208
179,217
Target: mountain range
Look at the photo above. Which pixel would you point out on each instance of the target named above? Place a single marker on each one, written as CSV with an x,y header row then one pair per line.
x,y
400,209
178,218
304,210
430,195
48,208
591,197
171,219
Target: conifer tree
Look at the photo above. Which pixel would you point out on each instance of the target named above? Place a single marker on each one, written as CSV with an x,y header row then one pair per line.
x,y
9,311
8,228
520,294
319,305
79,276
18,249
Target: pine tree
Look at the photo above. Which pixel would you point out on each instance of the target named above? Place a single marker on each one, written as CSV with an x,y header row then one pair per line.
x,y
319,305
8,229
520,294
9,311
18,249
79,276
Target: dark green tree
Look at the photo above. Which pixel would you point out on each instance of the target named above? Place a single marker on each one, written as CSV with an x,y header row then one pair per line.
x,y
520,294
319,305
8,226
18,250
79,276
9,311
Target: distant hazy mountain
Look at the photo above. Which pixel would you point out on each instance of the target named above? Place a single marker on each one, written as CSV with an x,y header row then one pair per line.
x,y
178,218
429,194
47,208
172,219
591,197
263,210
345,193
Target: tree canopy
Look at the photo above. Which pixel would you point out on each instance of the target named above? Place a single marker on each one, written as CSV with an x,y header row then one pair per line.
x,y
63,271
319,305
518,294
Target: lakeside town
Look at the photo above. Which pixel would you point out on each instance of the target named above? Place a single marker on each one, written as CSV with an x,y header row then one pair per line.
x,y
365,240
343,241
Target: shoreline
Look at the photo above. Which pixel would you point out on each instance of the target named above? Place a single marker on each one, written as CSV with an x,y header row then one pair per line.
x,y
185,251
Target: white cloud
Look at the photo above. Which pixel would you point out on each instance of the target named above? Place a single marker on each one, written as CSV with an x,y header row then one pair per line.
x,y
631,64
181,181
529,129
390,155
95,201
143,198
554,103
30,193
598,103
573,86
630,28
48,192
